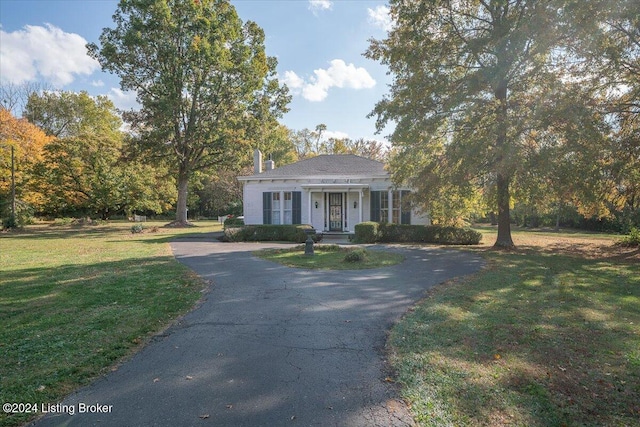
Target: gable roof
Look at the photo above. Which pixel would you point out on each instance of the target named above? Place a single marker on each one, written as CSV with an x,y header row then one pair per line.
x,y
326,164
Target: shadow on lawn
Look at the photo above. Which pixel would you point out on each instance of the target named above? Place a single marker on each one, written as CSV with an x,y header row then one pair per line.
x,y
63,326
536,340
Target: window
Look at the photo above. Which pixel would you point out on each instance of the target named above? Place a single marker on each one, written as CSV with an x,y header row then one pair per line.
x,y
275,207
285,205
288,208
400,206
405,215
395,210
384,206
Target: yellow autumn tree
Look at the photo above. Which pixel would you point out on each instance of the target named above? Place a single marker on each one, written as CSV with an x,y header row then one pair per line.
x,y
27,141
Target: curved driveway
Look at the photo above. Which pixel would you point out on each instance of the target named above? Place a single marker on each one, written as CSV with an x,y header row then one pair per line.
x,y
271,345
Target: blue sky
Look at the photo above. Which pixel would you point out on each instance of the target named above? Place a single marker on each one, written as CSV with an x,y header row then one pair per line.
x,y
318,43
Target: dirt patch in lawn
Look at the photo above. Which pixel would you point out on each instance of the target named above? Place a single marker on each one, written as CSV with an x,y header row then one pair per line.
x,y
587,246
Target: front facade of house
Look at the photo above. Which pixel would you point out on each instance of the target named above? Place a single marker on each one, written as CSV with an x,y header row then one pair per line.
x,y
332,193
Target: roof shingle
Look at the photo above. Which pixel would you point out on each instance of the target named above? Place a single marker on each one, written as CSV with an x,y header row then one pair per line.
x,y
327,164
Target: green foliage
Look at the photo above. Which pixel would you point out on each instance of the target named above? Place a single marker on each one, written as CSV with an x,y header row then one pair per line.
x,y
494,99
308,143
86,168
207,89
137,228
262,233
9,223
366,232
633,239
233,222
356,255
372,232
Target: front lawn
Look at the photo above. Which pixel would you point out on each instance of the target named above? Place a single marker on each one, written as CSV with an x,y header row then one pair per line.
x,y
548,335
74,300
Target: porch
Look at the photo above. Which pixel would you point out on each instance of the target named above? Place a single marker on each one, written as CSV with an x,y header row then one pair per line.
x,y
335,209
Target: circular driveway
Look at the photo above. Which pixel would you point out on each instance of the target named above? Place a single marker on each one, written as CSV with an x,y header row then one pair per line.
x,y
271,345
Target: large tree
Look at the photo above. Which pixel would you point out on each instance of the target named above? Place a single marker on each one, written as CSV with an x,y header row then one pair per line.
x,y
26,144
202,79
470,80
86,168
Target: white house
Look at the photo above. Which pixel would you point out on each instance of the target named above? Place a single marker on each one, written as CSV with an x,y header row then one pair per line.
x,y
333,193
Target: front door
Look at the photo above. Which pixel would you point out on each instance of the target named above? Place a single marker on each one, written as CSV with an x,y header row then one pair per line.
x,y
335,211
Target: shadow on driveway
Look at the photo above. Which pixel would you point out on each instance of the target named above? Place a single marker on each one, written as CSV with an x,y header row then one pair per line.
x,y
271,345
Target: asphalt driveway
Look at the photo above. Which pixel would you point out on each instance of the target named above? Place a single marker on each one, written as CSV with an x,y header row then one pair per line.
x,y
269,346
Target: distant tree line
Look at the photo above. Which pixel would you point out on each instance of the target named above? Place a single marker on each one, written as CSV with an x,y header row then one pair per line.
x,y
512,111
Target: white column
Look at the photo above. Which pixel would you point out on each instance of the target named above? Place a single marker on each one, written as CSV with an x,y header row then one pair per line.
x,y
345,209
309,209
360,205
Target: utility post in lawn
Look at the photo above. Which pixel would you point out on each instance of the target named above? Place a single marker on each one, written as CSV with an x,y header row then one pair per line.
x,y
12,221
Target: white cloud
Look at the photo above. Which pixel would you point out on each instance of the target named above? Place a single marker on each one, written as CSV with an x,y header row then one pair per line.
x,y
123,100
97,83
292,80
380,17
46,53
320,5
339,74
327,134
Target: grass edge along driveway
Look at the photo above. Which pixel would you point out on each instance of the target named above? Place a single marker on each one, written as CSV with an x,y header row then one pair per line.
x,y
75,300
537,339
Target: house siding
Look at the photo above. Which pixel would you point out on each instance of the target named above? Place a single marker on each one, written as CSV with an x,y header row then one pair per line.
x,y
254,205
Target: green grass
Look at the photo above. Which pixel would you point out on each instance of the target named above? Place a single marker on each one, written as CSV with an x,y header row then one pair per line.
x,y
76,300
535,340
329,257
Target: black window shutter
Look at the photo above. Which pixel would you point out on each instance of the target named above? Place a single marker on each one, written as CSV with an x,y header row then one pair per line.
x,y
405,212
266,207
375,206
296,199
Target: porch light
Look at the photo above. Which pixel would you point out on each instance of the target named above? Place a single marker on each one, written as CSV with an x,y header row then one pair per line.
x,y
316,204
355,204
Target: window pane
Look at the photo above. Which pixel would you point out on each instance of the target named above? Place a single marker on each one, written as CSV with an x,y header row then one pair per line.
x,y
395,215
288,217
384,200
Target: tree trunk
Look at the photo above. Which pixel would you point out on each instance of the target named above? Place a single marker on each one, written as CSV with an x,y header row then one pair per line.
x,y
503,179
181,208
504,221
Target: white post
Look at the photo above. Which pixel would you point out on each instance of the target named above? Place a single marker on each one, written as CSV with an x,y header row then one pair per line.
x,y
360,205
310,209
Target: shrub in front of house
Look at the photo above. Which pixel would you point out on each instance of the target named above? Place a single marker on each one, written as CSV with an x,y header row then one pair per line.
x,y
633,239
233,221
270,233
366,232
402,233
356,255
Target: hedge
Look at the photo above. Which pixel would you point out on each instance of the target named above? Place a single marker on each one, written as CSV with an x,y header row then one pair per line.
x,y
372,232
264,233
366,232
233,221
